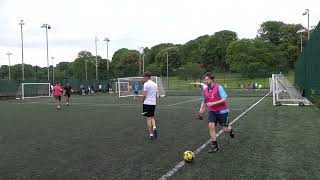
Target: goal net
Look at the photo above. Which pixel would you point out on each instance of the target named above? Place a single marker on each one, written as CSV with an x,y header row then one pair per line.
x,y
284,93
125,86
33,90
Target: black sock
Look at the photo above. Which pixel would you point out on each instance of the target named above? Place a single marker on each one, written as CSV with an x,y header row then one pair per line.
x,y
214,143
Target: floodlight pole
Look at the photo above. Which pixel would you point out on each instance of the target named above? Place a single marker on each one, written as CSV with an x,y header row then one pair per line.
x,y
307,12
9,54
52,58
167,70
107,40
96,40
47,26
21,24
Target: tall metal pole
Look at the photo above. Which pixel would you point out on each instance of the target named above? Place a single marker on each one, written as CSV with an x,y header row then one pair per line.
x,y
47,53
21,24
108,59
108,54
9,54
108,66
167,70
308,24
301,46
142,58
52,58
47,26
307,12
96,40
143,63
301,38
86,69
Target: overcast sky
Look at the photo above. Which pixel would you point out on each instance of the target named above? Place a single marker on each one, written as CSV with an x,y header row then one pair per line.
x,y
132,23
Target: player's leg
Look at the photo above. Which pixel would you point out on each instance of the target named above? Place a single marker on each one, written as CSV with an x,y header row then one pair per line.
x,y
59,100
68,99
154,128
212,131
211,127
149,126
147,113
224,122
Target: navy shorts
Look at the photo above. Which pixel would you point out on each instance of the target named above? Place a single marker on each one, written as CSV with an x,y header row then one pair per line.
x,y
136,92
215,117
58,98
148,110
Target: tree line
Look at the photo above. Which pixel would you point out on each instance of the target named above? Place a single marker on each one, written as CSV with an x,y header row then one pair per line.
x,y
275,48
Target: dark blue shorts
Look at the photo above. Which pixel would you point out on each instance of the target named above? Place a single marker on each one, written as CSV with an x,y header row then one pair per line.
x,y
222,119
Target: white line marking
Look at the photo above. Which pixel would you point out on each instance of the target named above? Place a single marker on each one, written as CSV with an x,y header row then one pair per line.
x,y
182,163
183,102
27,102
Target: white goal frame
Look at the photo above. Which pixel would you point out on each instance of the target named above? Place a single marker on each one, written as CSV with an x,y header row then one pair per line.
x,y
118,85
280,84
157,80
22,90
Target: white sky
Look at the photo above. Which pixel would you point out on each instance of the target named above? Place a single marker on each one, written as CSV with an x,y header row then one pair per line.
x,y
132,23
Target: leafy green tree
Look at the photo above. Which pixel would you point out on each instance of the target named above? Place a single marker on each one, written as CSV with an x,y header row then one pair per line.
x,y
190,71
216,50
194,50
254,57
154,69
150,55
173,59
125,63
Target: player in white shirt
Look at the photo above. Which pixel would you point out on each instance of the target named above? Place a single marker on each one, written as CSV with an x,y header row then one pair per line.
x,y
150,94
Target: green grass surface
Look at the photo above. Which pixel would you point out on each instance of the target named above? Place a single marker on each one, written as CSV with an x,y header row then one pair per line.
x,y
103,137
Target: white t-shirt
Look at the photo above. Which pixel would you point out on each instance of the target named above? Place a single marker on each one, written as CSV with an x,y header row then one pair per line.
x,y
100,86
151,89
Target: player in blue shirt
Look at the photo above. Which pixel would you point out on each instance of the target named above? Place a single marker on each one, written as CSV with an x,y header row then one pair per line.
x,y
136,90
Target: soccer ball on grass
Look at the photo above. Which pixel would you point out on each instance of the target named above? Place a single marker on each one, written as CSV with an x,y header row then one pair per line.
x,y
188,156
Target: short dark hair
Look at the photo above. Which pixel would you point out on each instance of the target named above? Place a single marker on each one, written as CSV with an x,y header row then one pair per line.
x,y
147,74
209,75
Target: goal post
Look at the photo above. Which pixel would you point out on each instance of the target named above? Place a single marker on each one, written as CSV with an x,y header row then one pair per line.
x,y
125,86
284,93
34,90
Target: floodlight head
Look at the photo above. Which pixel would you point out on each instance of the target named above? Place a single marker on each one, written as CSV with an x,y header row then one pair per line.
x,y
49,27
21,22
306,12
106,39
301,31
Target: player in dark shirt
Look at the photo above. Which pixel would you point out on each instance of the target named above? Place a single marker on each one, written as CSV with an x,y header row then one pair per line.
x,y
68,90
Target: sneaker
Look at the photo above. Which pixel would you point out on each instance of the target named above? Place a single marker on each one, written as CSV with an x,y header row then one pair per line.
x,y
151,138
58,107
155,133
214,148
231,133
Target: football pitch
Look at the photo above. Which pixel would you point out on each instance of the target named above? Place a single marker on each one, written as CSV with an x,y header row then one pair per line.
x,y
104,137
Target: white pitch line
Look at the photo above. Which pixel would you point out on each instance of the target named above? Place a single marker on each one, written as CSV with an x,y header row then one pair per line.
x,y
183,102
182,163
